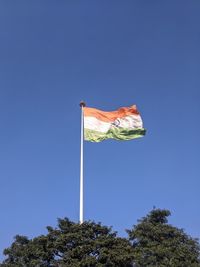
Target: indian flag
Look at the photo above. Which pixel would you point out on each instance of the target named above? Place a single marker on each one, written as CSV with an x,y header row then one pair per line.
x,y
122,124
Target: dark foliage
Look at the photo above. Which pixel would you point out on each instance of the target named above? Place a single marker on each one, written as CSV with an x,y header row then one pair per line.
x,y
71,245
152,242
158,244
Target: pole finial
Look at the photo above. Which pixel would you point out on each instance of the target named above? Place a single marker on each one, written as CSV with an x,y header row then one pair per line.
x,y
82,104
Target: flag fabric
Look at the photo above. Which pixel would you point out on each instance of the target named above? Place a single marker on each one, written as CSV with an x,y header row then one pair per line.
x,y
122,124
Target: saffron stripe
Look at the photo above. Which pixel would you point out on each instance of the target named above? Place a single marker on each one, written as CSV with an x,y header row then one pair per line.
x,y
110,116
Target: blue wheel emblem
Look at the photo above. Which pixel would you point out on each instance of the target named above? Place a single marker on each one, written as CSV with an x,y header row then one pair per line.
x,y
116,123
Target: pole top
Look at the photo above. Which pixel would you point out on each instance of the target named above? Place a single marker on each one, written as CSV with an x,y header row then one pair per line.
x,y
82,104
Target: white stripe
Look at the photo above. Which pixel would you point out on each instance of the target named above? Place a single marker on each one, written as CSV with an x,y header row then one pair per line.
x,y
93,123
131,122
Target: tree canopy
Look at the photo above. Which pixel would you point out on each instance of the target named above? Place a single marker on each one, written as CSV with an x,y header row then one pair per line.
x,y
72,245
152,242
157,244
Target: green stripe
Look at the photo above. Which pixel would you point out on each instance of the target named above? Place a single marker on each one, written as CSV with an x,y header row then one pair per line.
x,y
115,133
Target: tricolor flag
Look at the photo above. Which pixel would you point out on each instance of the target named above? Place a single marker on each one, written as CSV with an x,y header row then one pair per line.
x,y
122,124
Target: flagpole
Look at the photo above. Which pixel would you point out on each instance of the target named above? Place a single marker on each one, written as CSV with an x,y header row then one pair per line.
x,y
82,105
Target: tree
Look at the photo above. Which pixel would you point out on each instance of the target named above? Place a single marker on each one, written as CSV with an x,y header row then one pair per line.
x,y
157,244
71,245
151,243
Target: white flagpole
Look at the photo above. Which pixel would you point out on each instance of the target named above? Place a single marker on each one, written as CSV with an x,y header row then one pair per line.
x,y
82,104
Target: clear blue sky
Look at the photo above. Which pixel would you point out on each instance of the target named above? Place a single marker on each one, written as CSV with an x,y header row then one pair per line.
x,y
110,54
